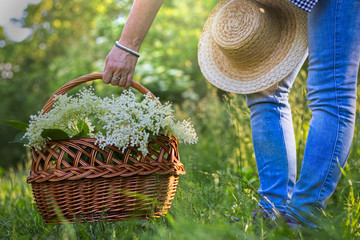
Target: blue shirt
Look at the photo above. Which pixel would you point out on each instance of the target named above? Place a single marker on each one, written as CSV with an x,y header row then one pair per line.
x,y
306,5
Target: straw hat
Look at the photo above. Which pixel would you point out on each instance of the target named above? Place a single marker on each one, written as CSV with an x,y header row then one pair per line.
x,y
247,46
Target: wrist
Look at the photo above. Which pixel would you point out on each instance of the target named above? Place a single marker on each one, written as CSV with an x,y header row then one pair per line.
x,y
126,49
132,44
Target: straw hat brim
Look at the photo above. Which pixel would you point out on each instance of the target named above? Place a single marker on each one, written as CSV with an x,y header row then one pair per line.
x,y
289,51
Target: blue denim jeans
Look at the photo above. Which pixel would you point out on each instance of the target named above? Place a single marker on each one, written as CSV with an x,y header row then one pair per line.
x,y
334,54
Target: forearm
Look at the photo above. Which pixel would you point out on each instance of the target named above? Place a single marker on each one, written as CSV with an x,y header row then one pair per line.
x,y
120,64
141,16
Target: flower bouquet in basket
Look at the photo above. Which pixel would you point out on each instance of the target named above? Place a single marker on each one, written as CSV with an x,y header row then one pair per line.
x,y
104,159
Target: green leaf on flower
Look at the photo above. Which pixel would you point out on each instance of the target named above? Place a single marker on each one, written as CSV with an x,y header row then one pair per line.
x,y
54,134
83,126
19,138
17,124
83,129
96,123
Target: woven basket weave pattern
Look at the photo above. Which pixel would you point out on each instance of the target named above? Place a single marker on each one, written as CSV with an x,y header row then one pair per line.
x,y
76,181
75,159
105,199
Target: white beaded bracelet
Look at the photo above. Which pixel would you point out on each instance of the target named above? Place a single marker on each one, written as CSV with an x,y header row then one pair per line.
x,y
117,44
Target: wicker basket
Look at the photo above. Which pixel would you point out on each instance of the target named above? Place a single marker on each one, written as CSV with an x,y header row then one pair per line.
x,y
76,181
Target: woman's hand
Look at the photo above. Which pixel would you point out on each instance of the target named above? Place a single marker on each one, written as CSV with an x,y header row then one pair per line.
x,y
120,64
119,68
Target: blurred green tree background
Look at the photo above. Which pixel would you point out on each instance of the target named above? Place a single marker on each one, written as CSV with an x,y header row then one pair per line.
x,y
72,38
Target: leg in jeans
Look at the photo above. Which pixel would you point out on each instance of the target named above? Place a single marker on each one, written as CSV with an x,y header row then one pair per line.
x,y
334,53
274,143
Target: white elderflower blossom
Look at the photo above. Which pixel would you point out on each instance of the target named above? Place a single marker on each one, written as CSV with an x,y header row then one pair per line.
x,y
123,120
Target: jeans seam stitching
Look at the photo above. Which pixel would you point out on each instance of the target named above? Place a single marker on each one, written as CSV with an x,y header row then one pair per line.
x,y
286,151
330,168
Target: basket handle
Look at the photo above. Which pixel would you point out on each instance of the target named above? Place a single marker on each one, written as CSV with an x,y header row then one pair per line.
x,y
87,78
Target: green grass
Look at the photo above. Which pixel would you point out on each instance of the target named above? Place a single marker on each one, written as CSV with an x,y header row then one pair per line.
x,y
214,199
